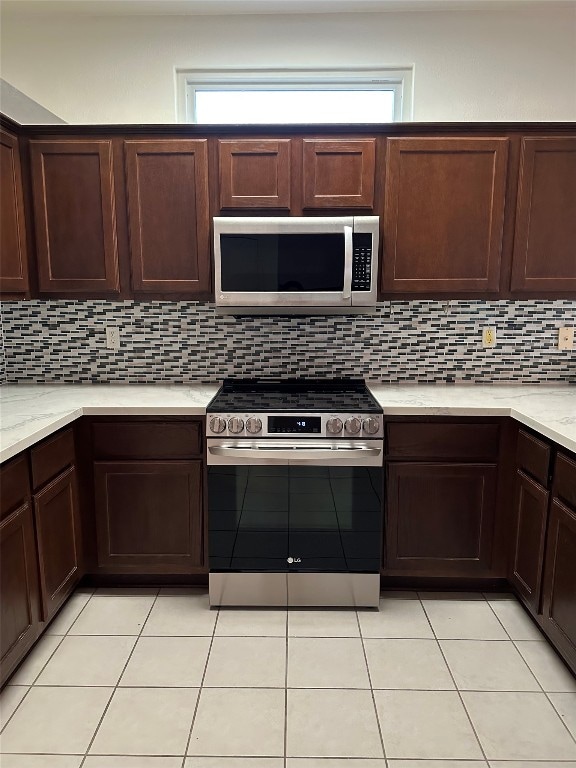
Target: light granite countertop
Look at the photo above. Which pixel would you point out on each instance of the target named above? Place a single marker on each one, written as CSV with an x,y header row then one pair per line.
x,y
29,413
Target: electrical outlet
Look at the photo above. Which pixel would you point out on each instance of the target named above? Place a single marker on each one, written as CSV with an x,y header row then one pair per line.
x,y
112,337
488,337
566,338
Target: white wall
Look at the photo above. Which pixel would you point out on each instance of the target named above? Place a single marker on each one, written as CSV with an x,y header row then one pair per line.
x,y
472,65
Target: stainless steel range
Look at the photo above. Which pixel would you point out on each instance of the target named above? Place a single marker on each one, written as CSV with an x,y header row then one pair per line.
x,y
295,493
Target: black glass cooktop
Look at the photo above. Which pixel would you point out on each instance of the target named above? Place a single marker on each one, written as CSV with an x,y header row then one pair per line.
x,y
299,395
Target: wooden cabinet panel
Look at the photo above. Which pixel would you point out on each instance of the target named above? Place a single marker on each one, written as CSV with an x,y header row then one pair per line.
x,y
59,542
444,214
149,516
254,173
559,589
51,456
565,480
442,441
14,484
13,258
531,514
533,456
19,599
440,518
169,221
146,440
339,173
544,256
74,212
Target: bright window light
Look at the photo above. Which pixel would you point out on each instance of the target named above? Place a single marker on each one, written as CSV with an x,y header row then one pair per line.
x,y
294,106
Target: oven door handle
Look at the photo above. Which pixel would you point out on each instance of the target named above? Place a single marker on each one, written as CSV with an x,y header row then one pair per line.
x,y
348,253
293,453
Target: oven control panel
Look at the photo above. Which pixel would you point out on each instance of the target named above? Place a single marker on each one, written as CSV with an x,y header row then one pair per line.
x,y
333,425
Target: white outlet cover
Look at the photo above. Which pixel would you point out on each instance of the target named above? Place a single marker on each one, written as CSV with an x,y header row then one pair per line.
x,y
566,338
488,337
112,337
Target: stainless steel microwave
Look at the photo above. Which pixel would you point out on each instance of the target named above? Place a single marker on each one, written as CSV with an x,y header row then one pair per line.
x,y
296,265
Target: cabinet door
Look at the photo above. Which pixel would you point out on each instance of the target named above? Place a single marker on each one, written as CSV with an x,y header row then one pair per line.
x,y
444,214
19,600
559,589
545,237
167,183
149,516
339,173
440,518
59,541
13,264
74,212
254,173
531,513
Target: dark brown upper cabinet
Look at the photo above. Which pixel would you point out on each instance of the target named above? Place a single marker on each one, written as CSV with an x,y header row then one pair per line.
x,y
169,221
75,218
13,263
444,214
544,257
254,173
339,173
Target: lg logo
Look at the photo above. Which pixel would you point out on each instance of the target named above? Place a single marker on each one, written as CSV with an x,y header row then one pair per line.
x,y
294,560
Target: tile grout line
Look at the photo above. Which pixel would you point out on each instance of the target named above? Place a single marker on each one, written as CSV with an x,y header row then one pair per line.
x,y
455,686
371,688
197,705
115,687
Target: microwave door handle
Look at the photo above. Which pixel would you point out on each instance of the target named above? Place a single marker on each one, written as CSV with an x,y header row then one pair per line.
x,y
348,247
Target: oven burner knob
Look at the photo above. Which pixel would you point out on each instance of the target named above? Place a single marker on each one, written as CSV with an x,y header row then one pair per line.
x,y
353,425
371,425
217,424
235,425
253,425
334,426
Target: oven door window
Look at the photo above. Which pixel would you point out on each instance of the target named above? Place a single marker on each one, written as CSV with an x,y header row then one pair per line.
x,y
284,263
267,518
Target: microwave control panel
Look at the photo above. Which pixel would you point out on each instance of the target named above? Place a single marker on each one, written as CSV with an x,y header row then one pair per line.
x,y
362,262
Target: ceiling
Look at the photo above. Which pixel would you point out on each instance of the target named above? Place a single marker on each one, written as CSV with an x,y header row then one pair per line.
x,y
220,7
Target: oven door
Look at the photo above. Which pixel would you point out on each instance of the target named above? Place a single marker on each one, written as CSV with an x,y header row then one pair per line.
x,y
298,506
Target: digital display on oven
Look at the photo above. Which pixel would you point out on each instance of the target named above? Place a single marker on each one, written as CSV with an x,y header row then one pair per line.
x,y
294,424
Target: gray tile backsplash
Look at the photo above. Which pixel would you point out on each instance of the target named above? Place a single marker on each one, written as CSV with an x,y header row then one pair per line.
x,y
405,341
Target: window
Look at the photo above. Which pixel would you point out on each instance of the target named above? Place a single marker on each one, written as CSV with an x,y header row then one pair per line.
x,y
295,96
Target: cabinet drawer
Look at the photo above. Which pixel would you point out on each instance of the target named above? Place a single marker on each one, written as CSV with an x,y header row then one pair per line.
x,y
51,457
442,441
14,484
533,457
565,480
146,440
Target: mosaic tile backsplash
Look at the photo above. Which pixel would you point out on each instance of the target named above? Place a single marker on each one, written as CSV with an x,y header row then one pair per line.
x,y
180,342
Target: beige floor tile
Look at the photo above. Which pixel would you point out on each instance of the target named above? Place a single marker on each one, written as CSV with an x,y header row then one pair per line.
x,y
326,762
96,761
565,705
323,623
531,764
396,618
415,664
518,726
244,623
146,721
326,662
425,724
551,672
83,660
236,762
181,615
167,661
515,620
113,615
437,764
463,620
246,662
69,612
34,663
10,698
239,721
55,720
488,665
41,761
332,723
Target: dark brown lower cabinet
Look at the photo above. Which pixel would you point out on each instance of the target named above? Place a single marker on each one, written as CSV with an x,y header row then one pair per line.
x,y
559,588
149,516
528,538
59,542
440,518
19,598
